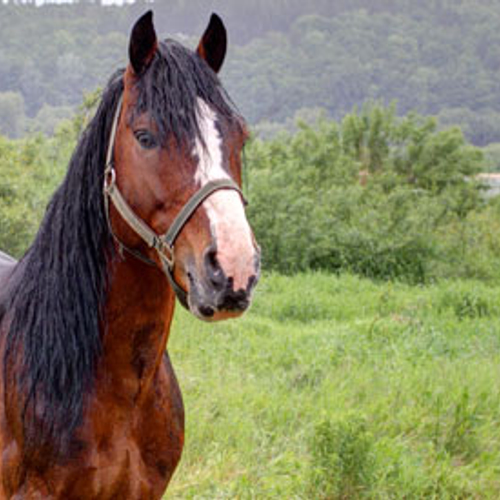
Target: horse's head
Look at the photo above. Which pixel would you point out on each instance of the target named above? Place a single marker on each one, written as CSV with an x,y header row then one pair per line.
x,y
177,150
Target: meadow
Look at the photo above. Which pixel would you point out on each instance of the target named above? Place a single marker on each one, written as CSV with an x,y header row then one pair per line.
x,y
337,387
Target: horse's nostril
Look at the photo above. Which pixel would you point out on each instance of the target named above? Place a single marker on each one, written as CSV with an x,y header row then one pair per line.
x,y
212,258
233,301
214,271
206,311
252,281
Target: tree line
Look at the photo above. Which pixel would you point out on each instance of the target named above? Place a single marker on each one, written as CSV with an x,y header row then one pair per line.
x,y
437,57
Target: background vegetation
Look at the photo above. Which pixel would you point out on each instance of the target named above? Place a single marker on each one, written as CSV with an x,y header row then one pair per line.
x,y
436,57
377,195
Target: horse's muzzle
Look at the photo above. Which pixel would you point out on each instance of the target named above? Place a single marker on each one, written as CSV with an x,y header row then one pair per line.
x,y
212,296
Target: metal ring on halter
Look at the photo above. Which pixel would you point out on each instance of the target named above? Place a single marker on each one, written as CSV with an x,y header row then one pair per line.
x,y
109,173
164,249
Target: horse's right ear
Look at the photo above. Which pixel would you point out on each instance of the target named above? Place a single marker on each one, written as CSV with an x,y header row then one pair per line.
x,y
143,43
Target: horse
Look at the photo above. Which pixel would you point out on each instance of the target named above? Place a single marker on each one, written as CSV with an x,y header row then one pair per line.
x,y
150,209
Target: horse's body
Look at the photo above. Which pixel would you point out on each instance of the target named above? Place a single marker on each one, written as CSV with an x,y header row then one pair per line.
x,y
90,407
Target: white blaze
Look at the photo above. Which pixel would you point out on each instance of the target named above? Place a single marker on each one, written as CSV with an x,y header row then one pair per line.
x,y
224,208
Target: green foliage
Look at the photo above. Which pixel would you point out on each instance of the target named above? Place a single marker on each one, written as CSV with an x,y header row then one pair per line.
x,y
430,57
11,114
49,118
30,170
378,195
492,156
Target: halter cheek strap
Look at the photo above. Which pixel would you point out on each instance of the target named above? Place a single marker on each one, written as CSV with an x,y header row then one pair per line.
x,y
163,244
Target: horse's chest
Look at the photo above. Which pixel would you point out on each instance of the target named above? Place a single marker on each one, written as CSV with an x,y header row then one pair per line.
x,y
126,470
128,465
127,452
136,452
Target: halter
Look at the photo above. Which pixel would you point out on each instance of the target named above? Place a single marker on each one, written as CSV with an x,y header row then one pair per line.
x,y
163,244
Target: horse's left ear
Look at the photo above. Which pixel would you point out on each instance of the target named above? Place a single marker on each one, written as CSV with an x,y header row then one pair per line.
x,y
143,43
213,43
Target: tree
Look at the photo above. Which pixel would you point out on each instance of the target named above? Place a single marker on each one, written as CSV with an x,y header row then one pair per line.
x,y
12,119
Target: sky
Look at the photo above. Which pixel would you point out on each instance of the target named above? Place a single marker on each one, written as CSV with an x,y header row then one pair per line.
x,y
104,2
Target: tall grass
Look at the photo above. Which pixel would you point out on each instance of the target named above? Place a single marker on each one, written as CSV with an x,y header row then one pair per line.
x,y
338,387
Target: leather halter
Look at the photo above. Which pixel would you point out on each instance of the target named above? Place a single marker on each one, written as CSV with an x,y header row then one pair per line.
x,y
163,244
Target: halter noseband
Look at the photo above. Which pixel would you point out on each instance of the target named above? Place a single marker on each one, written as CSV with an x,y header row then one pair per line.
x,y
163,244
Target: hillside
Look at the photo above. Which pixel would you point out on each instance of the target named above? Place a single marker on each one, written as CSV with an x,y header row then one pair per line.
x,y
440,57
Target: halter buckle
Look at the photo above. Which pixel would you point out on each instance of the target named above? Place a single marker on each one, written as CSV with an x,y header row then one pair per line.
x,y
165,251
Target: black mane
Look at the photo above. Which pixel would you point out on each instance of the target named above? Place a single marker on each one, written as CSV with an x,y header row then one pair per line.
x,y
55,305
58,293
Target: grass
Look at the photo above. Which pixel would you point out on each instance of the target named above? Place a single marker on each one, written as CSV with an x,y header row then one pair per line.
x,y
338,387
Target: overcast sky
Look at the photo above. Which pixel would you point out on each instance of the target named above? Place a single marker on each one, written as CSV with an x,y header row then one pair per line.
x,y
105,2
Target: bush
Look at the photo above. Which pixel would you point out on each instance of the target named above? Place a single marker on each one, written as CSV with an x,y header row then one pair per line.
x,y
381,196
30,170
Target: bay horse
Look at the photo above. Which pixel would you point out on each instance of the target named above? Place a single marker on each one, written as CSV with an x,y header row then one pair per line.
x,y
150,209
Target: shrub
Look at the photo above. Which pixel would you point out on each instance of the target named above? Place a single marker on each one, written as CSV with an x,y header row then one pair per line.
x,y
381,196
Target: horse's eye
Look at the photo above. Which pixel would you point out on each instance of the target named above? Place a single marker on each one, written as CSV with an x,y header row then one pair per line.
x,y
146,139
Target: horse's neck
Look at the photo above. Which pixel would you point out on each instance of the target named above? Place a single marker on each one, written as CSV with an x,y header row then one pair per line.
x,y
138,313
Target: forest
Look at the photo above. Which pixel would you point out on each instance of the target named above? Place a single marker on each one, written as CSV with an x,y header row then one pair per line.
x,y
287,58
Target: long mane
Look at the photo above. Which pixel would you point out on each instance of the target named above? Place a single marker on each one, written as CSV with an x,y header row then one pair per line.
x,y
56,303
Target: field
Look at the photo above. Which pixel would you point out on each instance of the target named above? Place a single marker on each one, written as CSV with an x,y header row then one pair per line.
x,y
339,387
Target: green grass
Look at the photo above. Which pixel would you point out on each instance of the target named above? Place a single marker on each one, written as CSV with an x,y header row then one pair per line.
x,y
338,387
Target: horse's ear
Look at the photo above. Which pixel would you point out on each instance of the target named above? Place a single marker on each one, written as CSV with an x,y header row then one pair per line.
x,y
213,43
143,43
